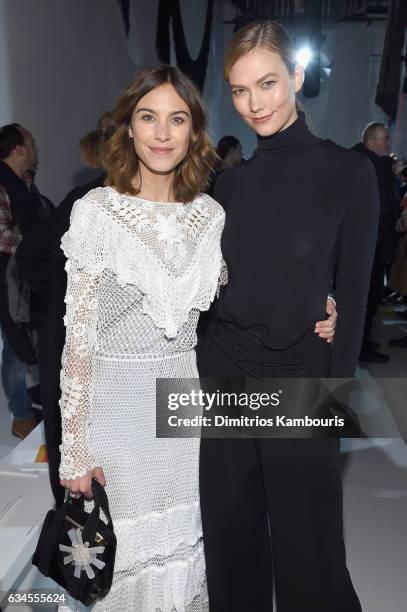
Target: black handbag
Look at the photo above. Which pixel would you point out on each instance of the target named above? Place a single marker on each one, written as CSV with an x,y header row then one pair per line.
x,y
77,549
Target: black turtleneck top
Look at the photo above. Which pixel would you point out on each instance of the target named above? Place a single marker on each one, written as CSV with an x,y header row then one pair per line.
x,y
301,215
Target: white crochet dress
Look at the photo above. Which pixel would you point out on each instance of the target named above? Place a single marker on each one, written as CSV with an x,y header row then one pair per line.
x,y
138,274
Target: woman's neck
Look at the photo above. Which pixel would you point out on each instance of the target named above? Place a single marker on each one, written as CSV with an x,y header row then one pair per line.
x,y
293,117
157,187
291,142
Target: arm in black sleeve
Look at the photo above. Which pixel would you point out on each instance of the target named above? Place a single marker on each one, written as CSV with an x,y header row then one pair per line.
x,y
222,188
353,270
219,190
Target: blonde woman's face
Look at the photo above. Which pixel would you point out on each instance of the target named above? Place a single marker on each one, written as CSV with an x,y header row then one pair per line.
x,y
263,91
161,128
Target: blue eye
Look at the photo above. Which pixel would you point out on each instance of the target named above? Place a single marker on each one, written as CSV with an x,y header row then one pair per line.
x,y
238,92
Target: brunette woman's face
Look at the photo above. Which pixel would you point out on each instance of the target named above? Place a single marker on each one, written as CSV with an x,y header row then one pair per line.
x,y
161,128
263,91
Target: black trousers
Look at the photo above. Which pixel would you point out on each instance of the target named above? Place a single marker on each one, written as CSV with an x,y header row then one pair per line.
x,y
271,507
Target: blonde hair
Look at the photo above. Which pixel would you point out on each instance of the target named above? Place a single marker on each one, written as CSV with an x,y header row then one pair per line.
x,y
120,158
266,35
91,144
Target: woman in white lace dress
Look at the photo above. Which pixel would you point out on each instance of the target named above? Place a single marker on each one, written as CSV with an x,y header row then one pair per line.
x,y
144,259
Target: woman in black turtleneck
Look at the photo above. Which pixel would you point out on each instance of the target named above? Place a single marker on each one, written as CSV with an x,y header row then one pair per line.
x,y
301,214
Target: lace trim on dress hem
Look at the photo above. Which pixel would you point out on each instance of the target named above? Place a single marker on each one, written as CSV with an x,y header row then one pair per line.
x,y
172,588
141,357
156,534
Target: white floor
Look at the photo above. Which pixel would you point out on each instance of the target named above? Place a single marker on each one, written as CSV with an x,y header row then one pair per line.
x,y
375,495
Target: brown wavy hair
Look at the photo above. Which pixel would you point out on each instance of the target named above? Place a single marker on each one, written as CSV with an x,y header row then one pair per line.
x,y
91,144
266,34
119,156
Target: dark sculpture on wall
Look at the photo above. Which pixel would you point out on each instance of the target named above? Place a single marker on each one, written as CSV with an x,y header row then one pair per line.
x,y
125,8
169,10
388,87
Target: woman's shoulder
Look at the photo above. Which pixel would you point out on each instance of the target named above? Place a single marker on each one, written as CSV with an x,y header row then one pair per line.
x,y
230,181
332,153
213,208
89,213
89,232
230,175
97,195
96,204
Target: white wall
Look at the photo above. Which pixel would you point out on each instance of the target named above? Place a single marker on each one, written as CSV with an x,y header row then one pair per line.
x,y
62,64
5,110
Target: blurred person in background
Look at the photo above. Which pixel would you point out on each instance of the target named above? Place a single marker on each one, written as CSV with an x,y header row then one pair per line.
x,y
398,275
21,206
229,151
375,145
42,264
400,170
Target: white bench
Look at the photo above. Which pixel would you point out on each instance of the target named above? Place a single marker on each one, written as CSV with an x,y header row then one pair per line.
x,y
25,498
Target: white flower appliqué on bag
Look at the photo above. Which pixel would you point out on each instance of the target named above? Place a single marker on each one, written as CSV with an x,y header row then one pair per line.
x,y
81,556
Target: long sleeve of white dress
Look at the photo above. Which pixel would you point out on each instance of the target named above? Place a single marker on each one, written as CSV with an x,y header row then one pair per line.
x,y
76,374
80,343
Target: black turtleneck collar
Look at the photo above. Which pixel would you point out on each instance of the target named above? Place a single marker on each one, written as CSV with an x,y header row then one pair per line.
x,y
287,144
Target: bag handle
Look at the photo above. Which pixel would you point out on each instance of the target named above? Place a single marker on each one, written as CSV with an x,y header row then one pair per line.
x,y
101,502
100,497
